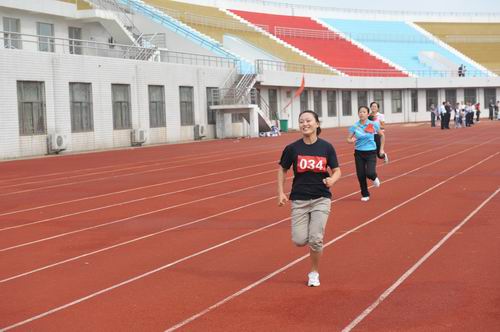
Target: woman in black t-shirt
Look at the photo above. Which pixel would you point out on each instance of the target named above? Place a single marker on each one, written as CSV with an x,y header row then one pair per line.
x,y
315,169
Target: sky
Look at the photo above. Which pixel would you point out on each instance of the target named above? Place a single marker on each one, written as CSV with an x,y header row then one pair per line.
x,y
487,6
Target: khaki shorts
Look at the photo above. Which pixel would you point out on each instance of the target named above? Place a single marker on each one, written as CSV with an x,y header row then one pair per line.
x,y
309,219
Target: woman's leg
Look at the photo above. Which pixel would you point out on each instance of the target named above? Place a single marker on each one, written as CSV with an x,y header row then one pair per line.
x,y
377,142
320,210
371,166
361,172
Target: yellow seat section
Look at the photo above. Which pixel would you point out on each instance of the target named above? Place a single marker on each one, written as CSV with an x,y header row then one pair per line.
x,y
80,4
215,23
478,41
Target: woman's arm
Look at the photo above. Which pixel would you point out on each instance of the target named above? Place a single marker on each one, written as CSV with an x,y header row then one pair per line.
x,y
334,177
351,139
282,199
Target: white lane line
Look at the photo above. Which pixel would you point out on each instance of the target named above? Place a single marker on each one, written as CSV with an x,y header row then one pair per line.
x,y
112,177
186,179
134,200
203,199
132,217
410,271
128,281
202,219
136,188
125,166
128,174
269,276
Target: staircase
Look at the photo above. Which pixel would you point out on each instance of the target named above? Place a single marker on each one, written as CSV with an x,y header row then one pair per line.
x,y
159,16
238,93
143,47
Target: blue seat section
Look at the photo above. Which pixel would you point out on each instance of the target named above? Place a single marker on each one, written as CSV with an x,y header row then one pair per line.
x,y
399,43
158,16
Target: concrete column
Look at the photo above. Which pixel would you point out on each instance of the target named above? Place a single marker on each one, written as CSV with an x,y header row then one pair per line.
x,y
254,122
223,124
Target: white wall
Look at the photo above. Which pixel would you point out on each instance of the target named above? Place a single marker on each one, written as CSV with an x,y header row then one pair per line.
x,y
57,70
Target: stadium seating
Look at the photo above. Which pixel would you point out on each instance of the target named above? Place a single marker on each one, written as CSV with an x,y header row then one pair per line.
x,y
316,40
217,24
401,44
479,41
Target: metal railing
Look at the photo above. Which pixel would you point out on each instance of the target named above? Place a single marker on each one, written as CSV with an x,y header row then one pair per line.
x,y
209,21
176,26
10,40
305,33
198,59
122,15
472,39
263,65
325,10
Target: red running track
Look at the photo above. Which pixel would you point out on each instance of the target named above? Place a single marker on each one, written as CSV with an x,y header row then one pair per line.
x,y
209,249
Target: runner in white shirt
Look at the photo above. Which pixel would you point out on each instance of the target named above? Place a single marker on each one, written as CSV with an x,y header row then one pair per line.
x,y
379,118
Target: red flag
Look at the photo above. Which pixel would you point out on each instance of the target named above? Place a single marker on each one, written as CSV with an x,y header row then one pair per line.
x,y
298,92
301,87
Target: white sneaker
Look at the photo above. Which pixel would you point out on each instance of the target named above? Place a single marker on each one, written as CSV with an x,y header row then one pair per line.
x,y
313,279
376,182
365,199
386,158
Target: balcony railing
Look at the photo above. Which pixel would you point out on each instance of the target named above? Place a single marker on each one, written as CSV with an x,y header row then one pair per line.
x,y
263,65
12,40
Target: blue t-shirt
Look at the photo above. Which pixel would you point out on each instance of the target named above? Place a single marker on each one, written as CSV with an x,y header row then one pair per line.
x,y
365,135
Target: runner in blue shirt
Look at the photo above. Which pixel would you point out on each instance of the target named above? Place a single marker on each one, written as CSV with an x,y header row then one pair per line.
x,y
362,133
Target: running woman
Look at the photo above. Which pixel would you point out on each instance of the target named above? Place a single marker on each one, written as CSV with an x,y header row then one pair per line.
x,y
378,117
315,169
362,133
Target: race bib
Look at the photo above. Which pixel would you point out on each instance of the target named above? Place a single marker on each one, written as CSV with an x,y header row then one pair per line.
x,y
311,164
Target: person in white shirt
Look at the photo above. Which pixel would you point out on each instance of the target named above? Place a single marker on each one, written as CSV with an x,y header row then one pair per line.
x,y
379,118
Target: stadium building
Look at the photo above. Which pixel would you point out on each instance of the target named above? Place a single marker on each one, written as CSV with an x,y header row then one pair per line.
x,y
81,75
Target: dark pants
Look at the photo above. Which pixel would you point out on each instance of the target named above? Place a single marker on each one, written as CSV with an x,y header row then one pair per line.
x,y
478,113
491,114
433,119
366,161
377,142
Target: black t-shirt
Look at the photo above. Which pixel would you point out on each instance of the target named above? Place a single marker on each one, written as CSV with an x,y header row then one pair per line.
x,y
309,167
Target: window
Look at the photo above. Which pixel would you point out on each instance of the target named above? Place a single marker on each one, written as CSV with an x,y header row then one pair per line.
x,y
451,96
414,101
187,107
318,108
331,101
45,32
396,104
431,97
211,101
490,95
237,117
470,96
304,102
378,96
12,28
273,104
31,108
346,103
121,106
157,117
75,36
80,95
362,98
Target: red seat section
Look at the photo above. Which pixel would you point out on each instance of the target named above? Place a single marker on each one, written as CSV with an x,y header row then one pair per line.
x,y
321,43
